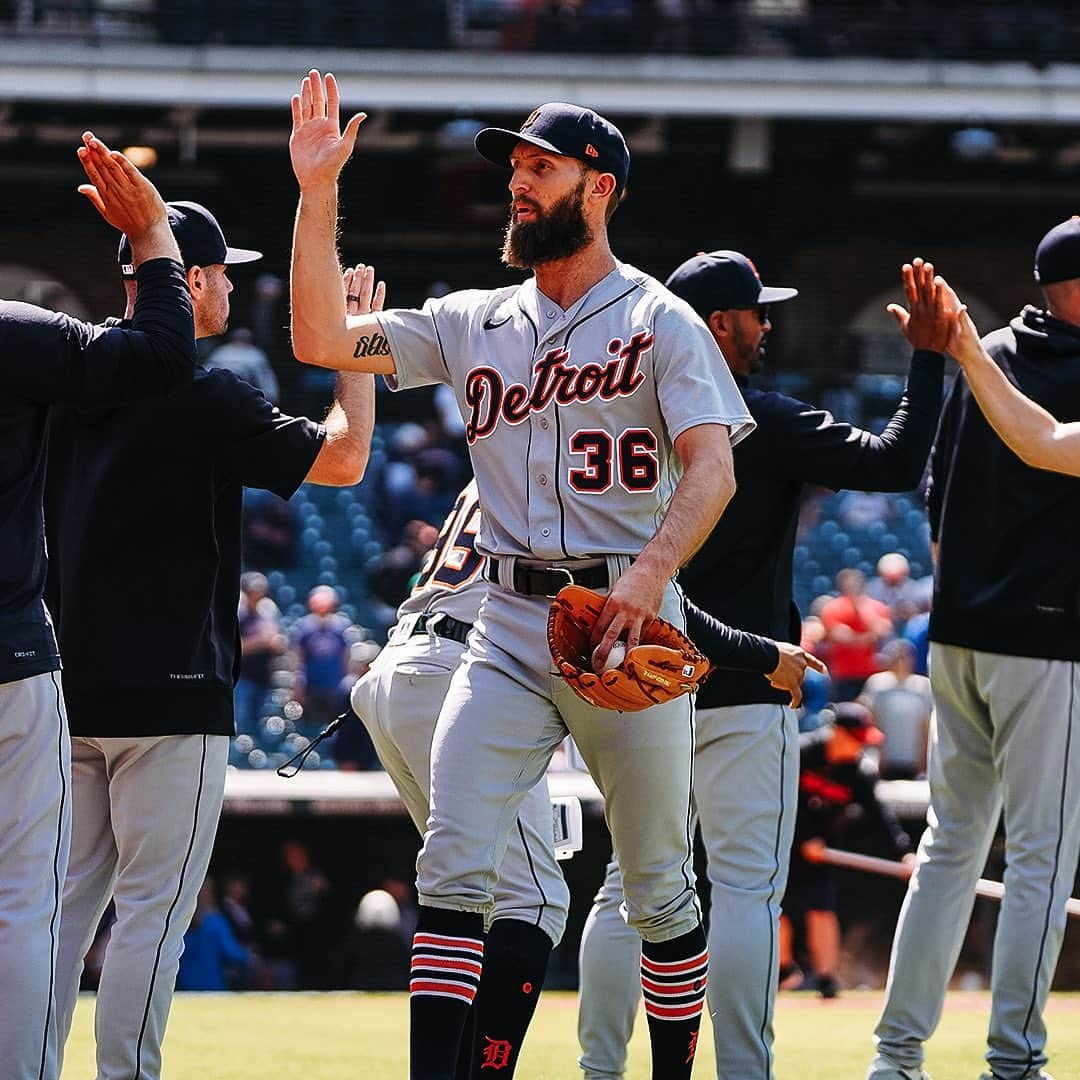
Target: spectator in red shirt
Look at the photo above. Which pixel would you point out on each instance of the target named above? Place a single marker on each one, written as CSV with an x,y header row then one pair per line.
x,y
855,626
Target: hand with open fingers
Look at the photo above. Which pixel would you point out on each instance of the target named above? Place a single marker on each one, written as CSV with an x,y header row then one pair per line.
x,y
965,344
118,191
318,147
634,600
362,295
928,320
789,673
664,665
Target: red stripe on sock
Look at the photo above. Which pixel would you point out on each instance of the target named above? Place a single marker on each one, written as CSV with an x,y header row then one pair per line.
x,y
431,986
674,989
440,941
674,967
673,1012
467,967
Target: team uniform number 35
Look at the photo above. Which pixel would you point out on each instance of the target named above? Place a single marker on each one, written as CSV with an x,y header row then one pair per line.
x,y
630,458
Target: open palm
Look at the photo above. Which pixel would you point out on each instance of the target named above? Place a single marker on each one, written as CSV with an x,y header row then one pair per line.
x,y
317,146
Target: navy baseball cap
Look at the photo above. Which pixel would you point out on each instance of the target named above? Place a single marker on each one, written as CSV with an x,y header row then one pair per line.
x,y
722,280
1057,258
563,129
199,237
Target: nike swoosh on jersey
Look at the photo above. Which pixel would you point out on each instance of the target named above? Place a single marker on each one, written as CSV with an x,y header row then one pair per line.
x,y
491,324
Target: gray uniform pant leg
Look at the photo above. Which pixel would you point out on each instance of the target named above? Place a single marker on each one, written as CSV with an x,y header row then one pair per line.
x,y
609,965
746,771
399,701
162,797
746,768
35,777
1003,727
504,715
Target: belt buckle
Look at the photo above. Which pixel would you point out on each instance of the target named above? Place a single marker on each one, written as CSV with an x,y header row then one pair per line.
x,y
562,570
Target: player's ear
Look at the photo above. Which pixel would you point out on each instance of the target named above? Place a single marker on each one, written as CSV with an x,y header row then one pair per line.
x,y
719,322
603,186
196,280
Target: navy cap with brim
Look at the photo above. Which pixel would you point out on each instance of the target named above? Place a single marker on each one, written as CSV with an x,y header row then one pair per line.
x,y
497,144
567,130
723,280
199,237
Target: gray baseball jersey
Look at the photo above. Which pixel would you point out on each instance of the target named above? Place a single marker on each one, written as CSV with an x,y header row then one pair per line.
x,y
452,577
399,701
571,416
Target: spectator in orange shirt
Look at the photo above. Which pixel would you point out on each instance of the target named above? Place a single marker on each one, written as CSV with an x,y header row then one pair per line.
x,y
855,627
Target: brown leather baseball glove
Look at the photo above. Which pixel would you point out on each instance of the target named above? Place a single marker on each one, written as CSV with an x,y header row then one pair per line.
x,y
664,666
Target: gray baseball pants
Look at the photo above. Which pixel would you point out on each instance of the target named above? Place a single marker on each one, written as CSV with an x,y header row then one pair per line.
x,y
504,715
144,815
35,777
1005,736
399,701
746,769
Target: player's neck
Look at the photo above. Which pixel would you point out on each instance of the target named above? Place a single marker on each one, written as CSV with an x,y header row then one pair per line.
x,y
565,281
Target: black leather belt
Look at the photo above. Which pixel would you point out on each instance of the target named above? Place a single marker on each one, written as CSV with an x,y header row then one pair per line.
x,y
548,580
442,625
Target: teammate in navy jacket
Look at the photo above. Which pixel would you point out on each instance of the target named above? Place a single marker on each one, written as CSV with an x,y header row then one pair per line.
x,y
747,749
1004,653
48,358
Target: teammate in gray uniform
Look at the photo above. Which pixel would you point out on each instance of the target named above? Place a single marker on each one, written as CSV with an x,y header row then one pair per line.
x,y
1005,674
399,701
48,358
600,418
747,758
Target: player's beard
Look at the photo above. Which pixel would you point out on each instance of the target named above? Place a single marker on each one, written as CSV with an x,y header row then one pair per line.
x,y
557,233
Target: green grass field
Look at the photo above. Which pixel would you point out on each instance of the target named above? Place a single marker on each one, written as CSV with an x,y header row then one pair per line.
x,y
365,1037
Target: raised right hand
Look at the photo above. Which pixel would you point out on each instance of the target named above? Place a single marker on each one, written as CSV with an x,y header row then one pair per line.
x,y
317,146
789,673
119,192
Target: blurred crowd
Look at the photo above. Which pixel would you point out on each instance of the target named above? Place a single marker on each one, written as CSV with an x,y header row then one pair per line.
x,y
1036,33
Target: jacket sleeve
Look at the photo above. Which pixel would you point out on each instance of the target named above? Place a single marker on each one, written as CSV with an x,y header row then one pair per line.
x,y
834,454
727,647
50,357
941,455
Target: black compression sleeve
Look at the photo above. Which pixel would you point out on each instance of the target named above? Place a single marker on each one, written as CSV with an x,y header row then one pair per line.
x,y
727,647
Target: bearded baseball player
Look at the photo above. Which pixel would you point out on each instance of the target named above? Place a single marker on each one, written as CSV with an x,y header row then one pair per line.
x,y
143,509
46,359
399,701
600,418
747,757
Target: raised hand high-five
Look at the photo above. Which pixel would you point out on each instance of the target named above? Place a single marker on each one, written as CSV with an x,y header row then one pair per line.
x,y
318,148
930,322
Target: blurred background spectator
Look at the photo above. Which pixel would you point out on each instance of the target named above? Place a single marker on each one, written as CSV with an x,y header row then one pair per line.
x,y
306,895
352,747
321,644
211,951
855,628
261,640
838,807
901,703
246,361
894,587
